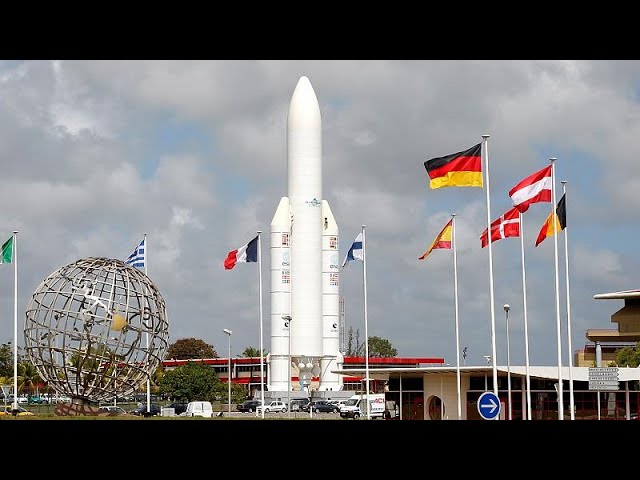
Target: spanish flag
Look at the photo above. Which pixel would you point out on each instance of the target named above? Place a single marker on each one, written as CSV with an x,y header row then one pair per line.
x,y
443,240
559,216
462,169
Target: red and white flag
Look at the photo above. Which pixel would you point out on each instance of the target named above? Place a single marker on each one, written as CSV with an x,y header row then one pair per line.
x,y
533,189
508,225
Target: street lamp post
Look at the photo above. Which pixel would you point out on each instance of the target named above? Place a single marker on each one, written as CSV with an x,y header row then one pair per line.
x,y
287,318
506,313
229,332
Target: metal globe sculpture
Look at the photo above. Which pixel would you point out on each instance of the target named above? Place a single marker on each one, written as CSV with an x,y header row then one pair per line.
x,y
94,329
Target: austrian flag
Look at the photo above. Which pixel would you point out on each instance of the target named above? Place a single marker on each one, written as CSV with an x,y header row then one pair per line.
x,y
508,225
246,253
533,189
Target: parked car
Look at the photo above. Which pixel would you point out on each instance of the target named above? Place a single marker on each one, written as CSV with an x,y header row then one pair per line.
x,y
321,406
112,410
178,407
298,403
141,410
198,409
275,406
248,406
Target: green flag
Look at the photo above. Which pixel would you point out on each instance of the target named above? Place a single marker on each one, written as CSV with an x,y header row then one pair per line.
x,y
7,251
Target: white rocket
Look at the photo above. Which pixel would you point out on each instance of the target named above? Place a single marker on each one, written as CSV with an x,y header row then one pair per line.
x,y
304,260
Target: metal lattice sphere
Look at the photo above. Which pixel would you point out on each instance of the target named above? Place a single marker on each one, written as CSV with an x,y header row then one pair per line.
x,y
96,328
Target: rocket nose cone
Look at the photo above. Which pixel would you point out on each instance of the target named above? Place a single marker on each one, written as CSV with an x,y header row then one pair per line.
x,y
303,83
304,103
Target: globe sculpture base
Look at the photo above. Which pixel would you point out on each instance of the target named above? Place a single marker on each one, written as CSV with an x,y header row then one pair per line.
x,y
77,407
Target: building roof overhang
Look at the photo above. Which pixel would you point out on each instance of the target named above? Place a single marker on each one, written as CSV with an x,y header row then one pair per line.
x,y
579,374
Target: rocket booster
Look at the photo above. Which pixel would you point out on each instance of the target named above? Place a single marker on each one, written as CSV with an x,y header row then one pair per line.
x,y
304,250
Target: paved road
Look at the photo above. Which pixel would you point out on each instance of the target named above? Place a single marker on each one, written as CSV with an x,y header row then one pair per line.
x,y
292,415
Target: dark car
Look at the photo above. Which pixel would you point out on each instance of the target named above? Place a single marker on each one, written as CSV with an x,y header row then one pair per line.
x,y
298,403
179,407
321,406
141,410
248,406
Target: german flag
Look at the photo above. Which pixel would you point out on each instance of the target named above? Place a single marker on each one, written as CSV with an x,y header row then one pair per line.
x,y
462,169
560,218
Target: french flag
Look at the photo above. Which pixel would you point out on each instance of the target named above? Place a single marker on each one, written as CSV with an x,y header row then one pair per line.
x,y
246,253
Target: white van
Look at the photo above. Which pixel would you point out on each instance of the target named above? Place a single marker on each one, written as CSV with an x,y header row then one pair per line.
x,y
198,409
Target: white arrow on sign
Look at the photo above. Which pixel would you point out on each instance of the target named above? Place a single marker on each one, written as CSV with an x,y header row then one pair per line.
x,y
491,404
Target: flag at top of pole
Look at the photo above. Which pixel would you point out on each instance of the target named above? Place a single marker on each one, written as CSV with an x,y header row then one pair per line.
x,y
533,189
443,240
355,252
246,253
7,251
138,256
559,217
507,225
461,169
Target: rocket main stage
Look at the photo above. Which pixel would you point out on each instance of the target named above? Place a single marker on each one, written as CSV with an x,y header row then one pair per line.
x,y
305,297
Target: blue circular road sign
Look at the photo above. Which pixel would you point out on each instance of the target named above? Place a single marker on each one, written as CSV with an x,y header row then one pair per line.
x,y
489,406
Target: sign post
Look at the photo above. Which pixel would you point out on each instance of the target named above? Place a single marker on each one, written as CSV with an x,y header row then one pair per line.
x,y
489,406
604,378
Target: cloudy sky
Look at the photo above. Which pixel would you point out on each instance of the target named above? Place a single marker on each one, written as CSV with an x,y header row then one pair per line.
x,y
193,153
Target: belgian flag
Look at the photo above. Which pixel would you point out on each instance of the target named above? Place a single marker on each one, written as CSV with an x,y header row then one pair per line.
x,y
559,216
461,169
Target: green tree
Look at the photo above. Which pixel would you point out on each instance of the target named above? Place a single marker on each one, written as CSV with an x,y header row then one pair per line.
x,y
221,392
381,347
190,348
378,347
252,352
354,349
189,382
628,356
249,352
6,360
28,377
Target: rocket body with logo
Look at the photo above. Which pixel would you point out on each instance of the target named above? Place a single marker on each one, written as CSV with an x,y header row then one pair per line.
x,y
304,257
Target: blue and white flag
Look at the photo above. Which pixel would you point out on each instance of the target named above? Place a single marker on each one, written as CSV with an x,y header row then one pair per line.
x,y
138,256
355,252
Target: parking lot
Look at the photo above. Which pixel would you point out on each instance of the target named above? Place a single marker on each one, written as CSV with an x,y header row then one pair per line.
x,y
284,416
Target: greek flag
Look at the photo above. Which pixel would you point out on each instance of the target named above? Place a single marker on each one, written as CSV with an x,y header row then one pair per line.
x,y
355,252
138,257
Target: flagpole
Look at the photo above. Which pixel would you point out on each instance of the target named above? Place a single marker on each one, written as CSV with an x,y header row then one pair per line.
x,y
455,294
366,329
261,340
555,242
491,295
14,254
146,333
566,269
526,330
